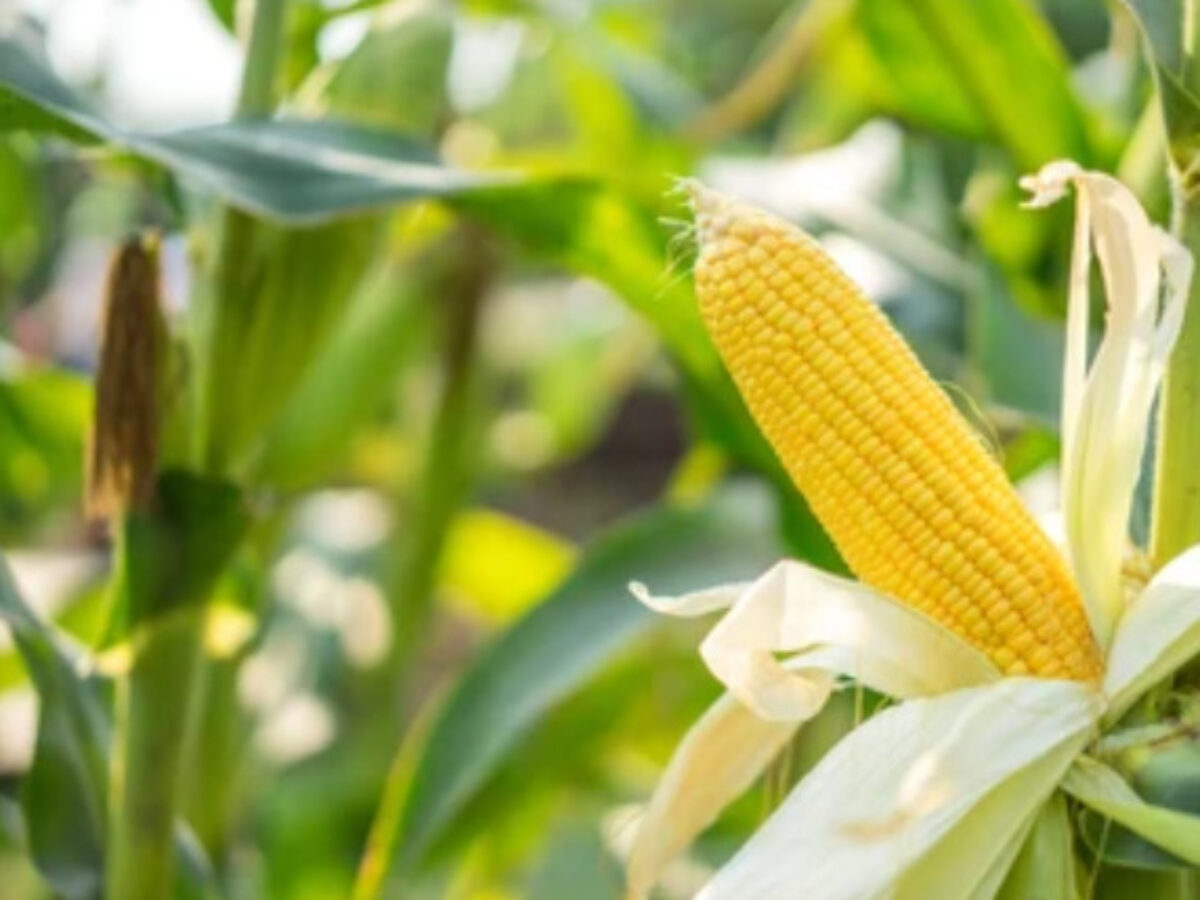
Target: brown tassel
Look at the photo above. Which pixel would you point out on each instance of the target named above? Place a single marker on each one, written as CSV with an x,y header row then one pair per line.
x,y
123,445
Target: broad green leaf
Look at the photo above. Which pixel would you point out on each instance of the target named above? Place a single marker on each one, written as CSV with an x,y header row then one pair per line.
x,y
307,171
1164,22
63,796
911,78
565,640
1165,28
33,98
298,171
1007,65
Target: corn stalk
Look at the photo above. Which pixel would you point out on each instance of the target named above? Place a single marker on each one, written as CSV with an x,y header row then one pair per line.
x,y
169,560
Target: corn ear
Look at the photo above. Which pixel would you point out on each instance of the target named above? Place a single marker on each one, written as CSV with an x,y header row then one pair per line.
x,y
915,503
122,452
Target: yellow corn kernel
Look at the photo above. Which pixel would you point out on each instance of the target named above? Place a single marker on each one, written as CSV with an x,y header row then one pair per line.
x,y
917,506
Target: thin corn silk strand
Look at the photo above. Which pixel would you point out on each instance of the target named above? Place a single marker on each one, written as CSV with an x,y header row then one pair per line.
x,y
1106,406
900,787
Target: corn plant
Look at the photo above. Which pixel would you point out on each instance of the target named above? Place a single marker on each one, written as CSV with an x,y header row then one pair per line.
x,y
371,526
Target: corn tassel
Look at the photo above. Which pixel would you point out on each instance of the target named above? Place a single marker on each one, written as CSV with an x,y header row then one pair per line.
x,y
915,503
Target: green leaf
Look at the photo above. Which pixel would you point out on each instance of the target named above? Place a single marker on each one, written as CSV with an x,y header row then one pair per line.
x,y
1105,791
295,284
298,171
1164,772
1006,65
64,793
913,79
173,553
1115,883
999,330
44,415
1045,866
564,641
33,98
350,378
63,796
1164,23
307,171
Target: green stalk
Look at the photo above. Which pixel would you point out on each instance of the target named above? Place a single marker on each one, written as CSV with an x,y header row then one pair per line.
x,y
210,794
153,709
447,471
1177,479
168,561
233,268
263,50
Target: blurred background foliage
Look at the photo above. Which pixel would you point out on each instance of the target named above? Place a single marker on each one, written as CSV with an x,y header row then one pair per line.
x,y
462,385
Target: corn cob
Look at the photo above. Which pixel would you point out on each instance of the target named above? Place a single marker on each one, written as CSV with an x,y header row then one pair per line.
x,y
916,505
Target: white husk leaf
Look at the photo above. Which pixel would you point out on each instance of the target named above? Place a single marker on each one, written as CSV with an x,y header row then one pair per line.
x,y
1106,407
680,878
1158,633
834,627
691,605
900,784
1100,787
719,758
882,644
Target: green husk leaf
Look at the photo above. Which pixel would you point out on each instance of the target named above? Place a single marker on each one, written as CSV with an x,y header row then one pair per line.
x,y
1102,789
1045,867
